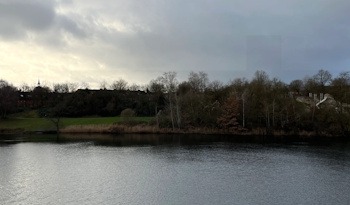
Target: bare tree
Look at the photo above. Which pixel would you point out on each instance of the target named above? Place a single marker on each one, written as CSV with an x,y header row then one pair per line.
x,y
84,85
310,85
120,84
323,77
157,88
103,85
296,86
169,81
72,87
215,85
25,87
170,84
134,87
198,81
259,99
341,87
61,88
54,115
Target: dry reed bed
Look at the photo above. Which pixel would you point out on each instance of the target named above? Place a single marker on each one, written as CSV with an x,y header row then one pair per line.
x,y
146,129
149,129
113,129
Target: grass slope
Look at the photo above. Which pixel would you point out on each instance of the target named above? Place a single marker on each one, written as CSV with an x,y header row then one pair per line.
x,y
42,124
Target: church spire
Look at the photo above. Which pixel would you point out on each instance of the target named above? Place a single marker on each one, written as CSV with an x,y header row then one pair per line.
x,y
38,82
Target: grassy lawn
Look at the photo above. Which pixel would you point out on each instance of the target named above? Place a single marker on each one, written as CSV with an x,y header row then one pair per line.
x,y
41,124
28,124
99,120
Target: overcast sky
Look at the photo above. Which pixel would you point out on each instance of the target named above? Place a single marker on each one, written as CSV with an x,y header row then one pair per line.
x,y
92,41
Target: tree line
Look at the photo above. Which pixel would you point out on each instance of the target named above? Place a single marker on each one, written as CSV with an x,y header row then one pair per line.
x,y
261,103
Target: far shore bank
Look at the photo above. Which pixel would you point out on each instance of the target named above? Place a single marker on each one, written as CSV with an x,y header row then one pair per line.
x,y
148,129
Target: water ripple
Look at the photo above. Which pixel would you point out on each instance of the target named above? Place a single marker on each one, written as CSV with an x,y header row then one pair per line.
x,y
82,173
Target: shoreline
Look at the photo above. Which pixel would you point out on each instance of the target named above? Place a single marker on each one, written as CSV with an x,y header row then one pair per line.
x,y
117,129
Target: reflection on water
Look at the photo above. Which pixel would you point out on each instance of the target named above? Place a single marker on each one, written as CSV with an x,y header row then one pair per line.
x,y
171,170
166,139
189,139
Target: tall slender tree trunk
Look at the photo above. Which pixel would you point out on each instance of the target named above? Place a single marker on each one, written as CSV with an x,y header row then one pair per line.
x,y
273,113
267,116
313,113
243,101
156,113
171,112
56,122
178,112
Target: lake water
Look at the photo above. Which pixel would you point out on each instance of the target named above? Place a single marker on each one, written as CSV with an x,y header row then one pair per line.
x,y
141,169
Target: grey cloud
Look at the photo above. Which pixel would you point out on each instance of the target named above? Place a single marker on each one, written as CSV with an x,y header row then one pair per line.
x,y
17,18
320,40
184,39
70,26
323,32
28,15
226,39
